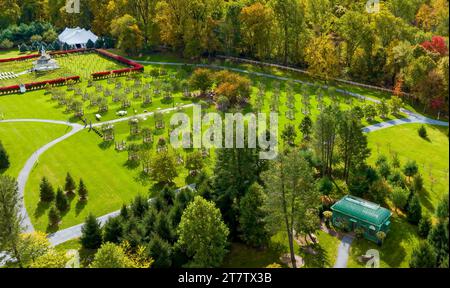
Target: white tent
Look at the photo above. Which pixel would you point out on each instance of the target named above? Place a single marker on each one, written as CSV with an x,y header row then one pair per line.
x,y
76,37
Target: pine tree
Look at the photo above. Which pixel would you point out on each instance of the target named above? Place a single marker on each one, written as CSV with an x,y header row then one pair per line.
x,y
4,158
424,226
53,216
82,191
91,233
113,230
423,256
10,216
414,212
439,240
160,251
61,200
124,212
306,127
70,184
47,194
251,220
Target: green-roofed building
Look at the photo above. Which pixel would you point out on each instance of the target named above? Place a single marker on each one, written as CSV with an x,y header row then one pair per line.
x,y
351,213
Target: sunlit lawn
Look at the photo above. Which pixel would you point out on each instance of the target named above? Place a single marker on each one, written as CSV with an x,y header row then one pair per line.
x,y
431,155
395,251
22,139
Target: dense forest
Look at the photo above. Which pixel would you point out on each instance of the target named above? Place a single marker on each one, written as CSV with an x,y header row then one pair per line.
x,y
403,46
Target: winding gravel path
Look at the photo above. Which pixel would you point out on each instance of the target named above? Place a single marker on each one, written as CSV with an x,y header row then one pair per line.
x,y
75,231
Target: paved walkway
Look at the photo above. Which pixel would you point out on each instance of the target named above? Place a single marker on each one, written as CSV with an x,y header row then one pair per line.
x,y
343,250
29,165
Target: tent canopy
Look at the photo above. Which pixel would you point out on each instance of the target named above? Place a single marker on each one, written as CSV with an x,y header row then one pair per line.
x,y
77,36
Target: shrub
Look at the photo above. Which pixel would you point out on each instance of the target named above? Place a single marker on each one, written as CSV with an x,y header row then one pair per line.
x,y
6,44
325,186
422,132
4,158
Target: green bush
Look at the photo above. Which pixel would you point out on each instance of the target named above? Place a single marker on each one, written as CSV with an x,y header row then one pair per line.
x,y
422,132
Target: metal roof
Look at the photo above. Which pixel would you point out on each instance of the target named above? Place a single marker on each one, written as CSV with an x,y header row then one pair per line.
x,y
362,210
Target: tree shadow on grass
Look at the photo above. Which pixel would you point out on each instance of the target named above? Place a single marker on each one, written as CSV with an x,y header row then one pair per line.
x,y
105,145
143,178
425,200
131,165
79,207
41,208
318,260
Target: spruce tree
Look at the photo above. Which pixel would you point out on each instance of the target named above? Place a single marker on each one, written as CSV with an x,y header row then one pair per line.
x,y
113,230
91,233
53,216
251,220
414,212
160,251
423,256
61,200
4,158
424,226
82,191
70,184
47,194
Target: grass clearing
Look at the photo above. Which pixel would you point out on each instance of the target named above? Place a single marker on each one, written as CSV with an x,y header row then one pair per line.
x,y
431,155
21,139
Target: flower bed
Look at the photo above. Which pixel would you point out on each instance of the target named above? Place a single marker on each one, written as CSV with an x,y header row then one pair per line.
x,y
133,68
136,67
37,85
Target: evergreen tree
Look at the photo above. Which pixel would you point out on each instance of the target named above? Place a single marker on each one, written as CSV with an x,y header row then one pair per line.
x,y
113,230
124,212
251,220
90,44
235,170
62,204
10,217
306,127
70,184
438,239
164,228
139,206
47,194
53,216
91,233
289,134
410,169
414,212
423,256
82,191
161,252
424,226
4,158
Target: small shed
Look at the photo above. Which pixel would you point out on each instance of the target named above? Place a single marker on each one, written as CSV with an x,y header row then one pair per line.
x,y
351,213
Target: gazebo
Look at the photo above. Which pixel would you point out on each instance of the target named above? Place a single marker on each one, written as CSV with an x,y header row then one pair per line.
x,y
351,213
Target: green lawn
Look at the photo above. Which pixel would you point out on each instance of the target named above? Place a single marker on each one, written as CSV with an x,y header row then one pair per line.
x,y
432,156
21,139
395,251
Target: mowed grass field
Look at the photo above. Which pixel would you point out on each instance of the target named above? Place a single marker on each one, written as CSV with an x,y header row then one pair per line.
x,y
76,64
431,155
396,249
21,139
